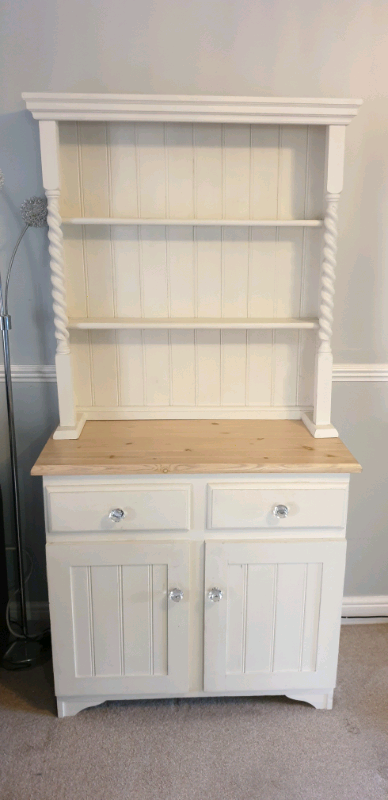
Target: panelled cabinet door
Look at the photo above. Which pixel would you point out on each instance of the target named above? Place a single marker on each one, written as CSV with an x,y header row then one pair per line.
x,y
115,628
277,624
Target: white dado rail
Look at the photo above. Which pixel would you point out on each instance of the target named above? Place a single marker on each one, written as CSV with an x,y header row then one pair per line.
x,y
190,279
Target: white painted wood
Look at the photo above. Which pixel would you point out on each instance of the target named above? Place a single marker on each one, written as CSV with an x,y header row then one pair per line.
x,y
151,659
178,220
106,610
360,373
241,505
146,508
69,706
182,108
320,700
51,181
335,154
243,223
365,606
193,323
275,630
285,635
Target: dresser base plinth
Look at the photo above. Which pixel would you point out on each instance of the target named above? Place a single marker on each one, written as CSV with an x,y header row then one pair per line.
x,y
70,706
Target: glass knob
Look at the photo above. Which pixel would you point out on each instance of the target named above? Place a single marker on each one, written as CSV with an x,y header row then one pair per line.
x,y
280,512
176,595
116,514
215,595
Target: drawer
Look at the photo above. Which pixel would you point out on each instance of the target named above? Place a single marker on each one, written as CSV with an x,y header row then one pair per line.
x,y
146,508
252,506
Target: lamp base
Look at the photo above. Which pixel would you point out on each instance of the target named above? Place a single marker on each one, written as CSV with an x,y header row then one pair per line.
x,y
26,653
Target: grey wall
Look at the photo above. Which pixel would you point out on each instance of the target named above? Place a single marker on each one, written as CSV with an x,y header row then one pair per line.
x,y
323,48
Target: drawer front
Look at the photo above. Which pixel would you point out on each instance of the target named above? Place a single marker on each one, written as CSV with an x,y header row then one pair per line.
x,y
252,506
145,508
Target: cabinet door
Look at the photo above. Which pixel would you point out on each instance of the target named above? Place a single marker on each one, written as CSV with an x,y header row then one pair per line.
x,y
277,624
115,630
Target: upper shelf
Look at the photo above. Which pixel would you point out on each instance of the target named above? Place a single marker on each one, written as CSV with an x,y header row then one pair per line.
x,y
194,323
268,223
191,108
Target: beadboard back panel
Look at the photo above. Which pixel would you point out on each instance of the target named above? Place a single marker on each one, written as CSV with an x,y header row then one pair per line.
x,y
185,171
191,171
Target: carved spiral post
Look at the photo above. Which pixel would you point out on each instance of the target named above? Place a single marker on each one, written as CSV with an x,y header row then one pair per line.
x,y
329,262
57,274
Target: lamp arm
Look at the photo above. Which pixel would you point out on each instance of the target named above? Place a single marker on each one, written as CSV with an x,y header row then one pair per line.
x,y
4,306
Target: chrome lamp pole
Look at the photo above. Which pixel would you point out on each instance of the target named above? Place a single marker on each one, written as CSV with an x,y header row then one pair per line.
x,y
27,649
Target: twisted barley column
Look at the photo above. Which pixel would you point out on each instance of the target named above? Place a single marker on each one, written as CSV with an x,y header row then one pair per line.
x,y
329,262
57,275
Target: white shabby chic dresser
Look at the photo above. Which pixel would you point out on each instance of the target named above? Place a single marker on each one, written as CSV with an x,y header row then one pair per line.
x,y
195,489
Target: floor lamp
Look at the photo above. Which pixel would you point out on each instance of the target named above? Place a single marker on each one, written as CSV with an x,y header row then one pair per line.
x,y
27,649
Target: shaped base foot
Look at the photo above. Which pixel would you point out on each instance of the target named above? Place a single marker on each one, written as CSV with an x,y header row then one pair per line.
x,y
69,706
320,700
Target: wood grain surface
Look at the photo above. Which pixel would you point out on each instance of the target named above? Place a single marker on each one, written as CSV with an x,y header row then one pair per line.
x,y
194,446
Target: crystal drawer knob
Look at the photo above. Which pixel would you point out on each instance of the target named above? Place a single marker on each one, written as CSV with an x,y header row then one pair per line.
x,y
215,595
176,595
280,512
117,514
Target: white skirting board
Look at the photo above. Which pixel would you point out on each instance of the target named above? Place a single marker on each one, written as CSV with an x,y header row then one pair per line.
x,y
355,608
373,606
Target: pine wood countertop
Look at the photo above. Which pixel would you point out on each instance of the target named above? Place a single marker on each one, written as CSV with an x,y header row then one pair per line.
x,y
193,446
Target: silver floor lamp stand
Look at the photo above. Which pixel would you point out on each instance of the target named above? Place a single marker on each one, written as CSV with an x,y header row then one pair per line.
x,y
27,649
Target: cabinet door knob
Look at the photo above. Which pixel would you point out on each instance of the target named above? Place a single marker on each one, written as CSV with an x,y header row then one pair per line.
x,y
280,511
116,514
176,595
215,595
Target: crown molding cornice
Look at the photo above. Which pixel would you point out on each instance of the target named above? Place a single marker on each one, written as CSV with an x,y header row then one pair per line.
x,y
190,108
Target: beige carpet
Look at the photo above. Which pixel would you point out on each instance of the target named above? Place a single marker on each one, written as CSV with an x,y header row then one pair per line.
x,y
234,749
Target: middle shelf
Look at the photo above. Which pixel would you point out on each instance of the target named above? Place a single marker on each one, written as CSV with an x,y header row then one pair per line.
x,y
221,222
119,323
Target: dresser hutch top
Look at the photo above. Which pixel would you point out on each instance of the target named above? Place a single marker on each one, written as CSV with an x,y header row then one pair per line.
x,y
193,254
